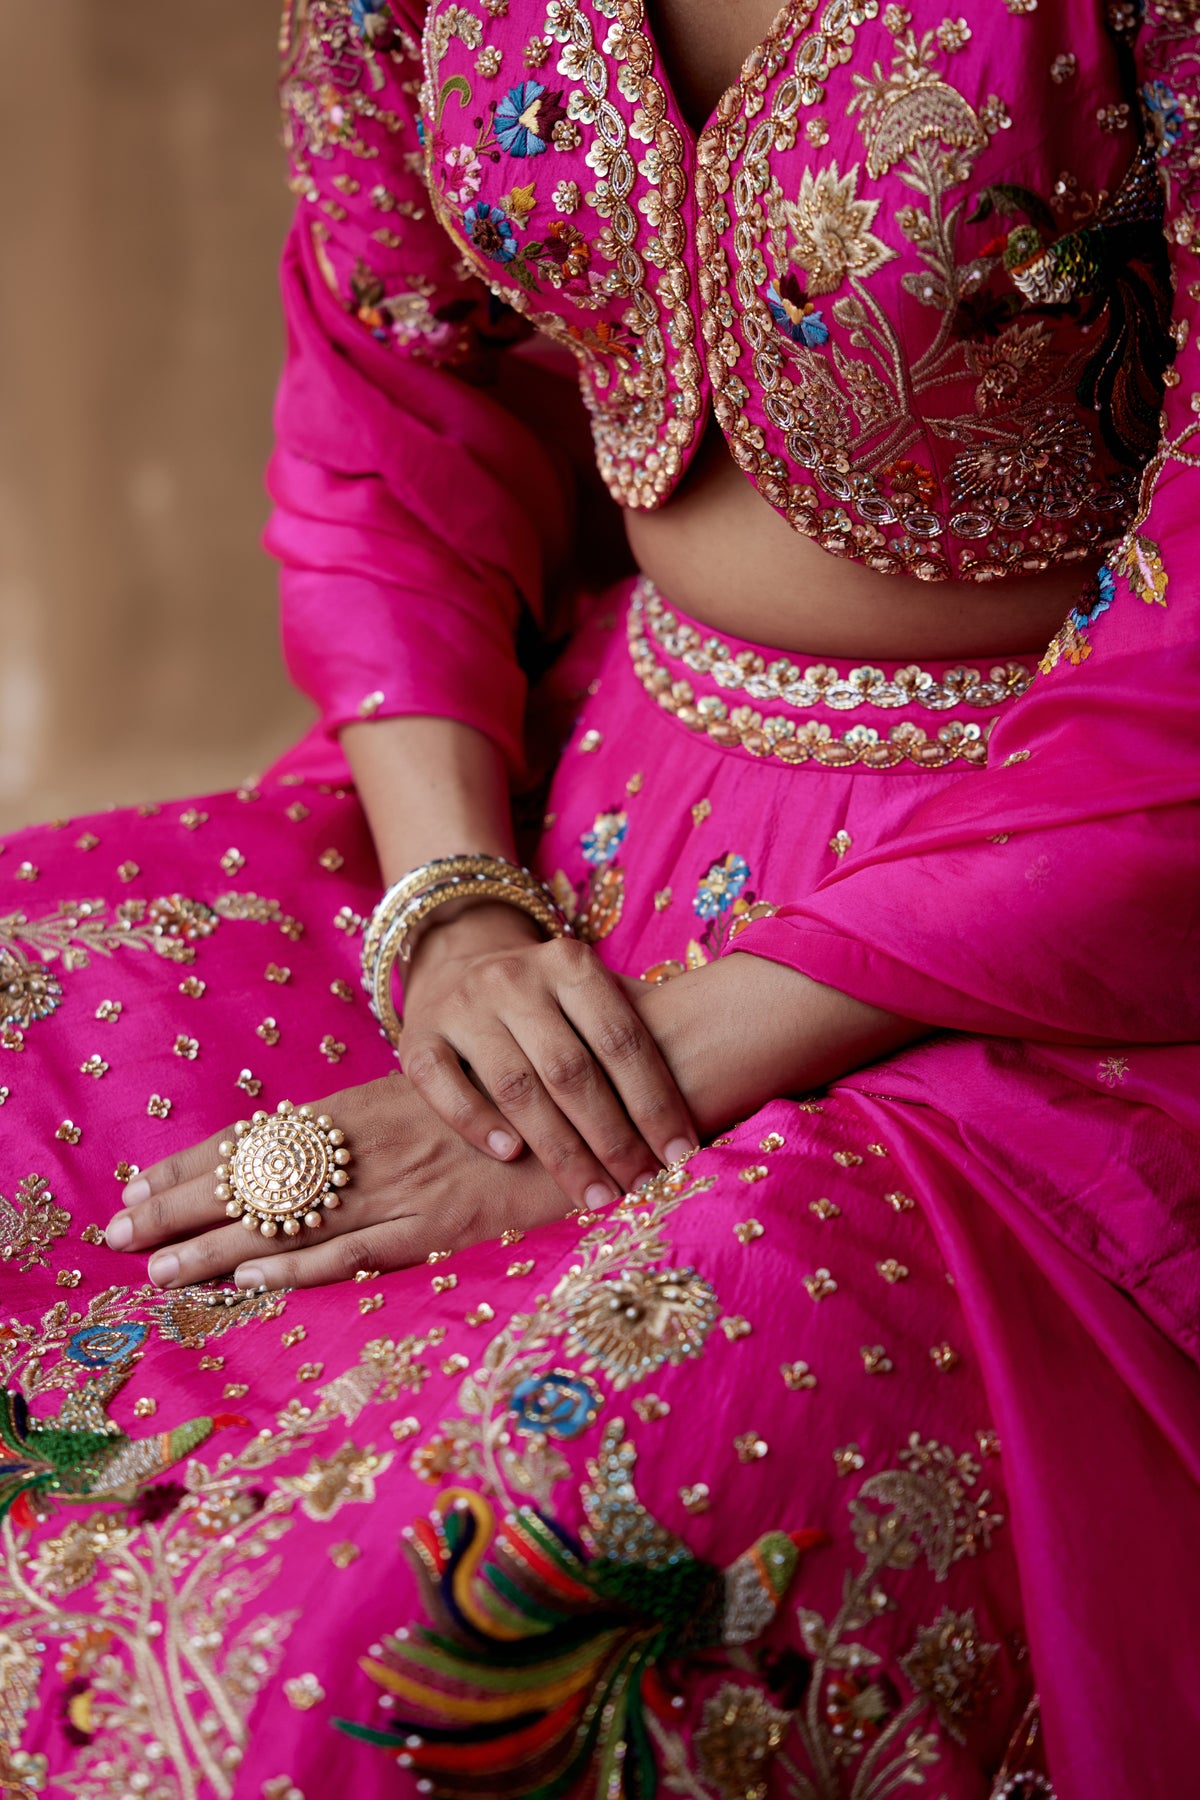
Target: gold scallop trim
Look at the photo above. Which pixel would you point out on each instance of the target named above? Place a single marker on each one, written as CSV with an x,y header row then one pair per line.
x,y
745,671
791,740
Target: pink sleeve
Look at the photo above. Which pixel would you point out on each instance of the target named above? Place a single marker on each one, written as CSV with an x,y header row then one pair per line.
x,y
1056,894
403,520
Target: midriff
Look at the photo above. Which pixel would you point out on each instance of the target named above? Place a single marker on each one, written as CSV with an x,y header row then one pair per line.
x,y
722,554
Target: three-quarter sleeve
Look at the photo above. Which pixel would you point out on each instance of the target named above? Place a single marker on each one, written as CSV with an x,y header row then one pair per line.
x,y
1056,894
415,516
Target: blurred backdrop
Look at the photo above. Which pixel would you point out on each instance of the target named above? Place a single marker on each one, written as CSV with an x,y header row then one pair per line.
x,y
141,214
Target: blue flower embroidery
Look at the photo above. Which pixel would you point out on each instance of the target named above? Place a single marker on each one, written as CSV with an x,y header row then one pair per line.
x,y
555,1405
371,21
490,230
99,1346
795,314
1096,598
601,843
1166,116
525,118
718,890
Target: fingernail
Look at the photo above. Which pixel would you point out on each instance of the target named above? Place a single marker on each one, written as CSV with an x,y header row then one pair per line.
x,y
502,1143
599,1194
163,1268
118,1233
678,1148
250,1277
135,1192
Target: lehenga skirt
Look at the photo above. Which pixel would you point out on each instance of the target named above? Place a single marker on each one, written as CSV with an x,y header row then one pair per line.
x,y
701,1494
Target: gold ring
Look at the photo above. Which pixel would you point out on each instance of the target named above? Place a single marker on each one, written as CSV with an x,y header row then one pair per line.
x,y
283,1170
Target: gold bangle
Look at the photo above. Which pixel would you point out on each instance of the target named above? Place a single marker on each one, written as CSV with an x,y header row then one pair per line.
x,y
536,901
421,880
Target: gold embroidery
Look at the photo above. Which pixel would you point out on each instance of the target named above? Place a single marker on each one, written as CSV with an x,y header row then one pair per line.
x,y
28,1230
748,672
798,741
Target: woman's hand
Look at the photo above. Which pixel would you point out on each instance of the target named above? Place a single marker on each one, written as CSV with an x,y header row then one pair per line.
x,y
415,1188
510,1039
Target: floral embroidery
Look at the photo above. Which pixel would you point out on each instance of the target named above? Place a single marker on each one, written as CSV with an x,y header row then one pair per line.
x,y
526,117
601,843
829,230
794,740
28,1230
718,890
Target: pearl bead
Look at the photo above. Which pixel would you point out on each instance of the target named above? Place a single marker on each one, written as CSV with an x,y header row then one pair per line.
x,y
223,1191
339,1178
291,1227
233,1209
269,1228
332,1202
324,1122
312,1219
249,1221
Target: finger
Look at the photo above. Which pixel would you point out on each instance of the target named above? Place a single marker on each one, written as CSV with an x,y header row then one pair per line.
x,y
173,1213
434,1067
512,1081
394,1244
580,1089
606,1020
176,1171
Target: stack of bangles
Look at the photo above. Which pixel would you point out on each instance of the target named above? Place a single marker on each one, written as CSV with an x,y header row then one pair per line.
x,y
390,936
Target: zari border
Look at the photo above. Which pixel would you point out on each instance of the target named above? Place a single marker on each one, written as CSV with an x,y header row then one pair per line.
x,y
796,740
745,671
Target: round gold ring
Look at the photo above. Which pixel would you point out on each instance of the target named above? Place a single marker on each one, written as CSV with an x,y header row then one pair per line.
x,y
282,1171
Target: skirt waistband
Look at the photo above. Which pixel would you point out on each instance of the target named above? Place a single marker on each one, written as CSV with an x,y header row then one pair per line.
x,y
749,697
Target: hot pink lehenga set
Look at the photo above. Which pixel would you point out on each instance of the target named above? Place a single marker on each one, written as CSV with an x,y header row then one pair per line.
x,y
862,1453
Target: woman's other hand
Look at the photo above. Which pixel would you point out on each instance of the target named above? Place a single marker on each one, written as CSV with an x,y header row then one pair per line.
x,y
416,1188
515,1041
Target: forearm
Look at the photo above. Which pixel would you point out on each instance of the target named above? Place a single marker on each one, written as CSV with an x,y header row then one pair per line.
x,y
434,787
743,1030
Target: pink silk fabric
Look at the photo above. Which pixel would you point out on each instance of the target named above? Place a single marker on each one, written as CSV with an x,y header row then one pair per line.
x,y
1037,907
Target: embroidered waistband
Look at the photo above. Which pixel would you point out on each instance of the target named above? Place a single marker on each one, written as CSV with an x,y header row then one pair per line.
x,y
788,735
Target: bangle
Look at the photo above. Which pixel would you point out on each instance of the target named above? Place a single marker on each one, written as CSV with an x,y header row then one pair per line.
x,y
389,936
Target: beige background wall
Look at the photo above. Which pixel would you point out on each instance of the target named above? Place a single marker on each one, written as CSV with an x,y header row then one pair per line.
x,y
141,212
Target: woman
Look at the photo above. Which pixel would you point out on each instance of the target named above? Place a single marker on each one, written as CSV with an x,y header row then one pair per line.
x,y
857,1448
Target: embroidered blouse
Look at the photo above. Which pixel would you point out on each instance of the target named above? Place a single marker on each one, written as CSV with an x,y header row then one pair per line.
x,y
936,277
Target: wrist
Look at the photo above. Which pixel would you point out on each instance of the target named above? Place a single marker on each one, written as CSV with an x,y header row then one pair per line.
x,y
467,928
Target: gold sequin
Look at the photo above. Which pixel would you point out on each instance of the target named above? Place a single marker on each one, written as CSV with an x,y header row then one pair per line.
x,y
158,1107
94,1066
797,1376
279,973
825,1209
820,1284
192,819
109,1011
750,1447
483,1314
875,1359
405,1428
944,1357
695,1498
891,1270
331,859
772,1141
701,811
848,1459
343,1554
519,1268
145,1408
369,1303
747,1231
69,1133
755,1172
187,1047
232,862
900,1202
735,1326
249,1084
441,1284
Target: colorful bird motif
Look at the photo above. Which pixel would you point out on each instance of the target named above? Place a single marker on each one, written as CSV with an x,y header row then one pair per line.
x,y
1114,270
542,1660
80,1455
